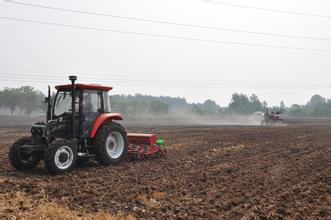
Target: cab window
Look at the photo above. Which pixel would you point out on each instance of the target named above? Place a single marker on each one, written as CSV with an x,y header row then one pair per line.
x,y
92,101
62,103
106,101
92,107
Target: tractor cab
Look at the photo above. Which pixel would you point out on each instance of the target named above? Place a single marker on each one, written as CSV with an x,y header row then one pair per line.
x,y
91,101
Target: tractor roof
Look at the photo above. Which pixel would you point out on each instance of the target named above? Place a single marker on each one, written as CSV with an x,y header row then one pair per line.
x,y
84,86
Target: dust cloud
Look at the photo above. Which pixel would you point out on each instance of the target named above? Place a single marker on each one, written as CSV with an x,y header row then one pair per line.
x,y
192,120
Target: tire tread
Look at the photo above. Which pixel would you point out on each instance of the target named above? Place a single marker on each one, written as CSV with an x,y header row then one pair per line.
x,y
99,143
50,152
13,155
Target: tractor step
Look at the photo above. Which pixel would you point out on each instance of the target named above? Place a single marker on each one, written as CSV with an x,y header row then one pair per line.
x,y
85,155
145,146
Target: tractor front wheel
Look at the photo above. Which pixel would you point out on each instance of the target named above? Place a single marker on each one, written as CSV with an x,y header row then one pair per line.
x,y
20,158
111,144
60,156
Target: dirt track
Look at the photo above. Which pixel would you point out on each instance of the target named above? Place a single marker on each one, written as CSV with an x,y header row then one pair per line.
x,y
210,172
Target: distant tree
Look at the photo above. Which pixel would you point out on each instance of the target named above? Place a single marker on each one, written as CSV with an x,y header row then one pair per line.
x,y
328,107
317,106
11,98
242,104
25,99
239,104
28,99
120,106
255,104
138,104
282,106
2,98
40,97
296,110
196,109
210,107
138,108
316,100
156,107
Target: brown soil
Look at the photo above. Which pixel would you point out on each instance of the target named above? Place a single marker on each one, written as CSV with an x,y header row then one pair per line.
x,y
210,172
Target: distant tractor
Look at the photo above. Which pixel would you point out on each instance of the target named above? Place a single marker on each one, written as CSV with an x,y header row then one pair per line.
x,y
79,126
273,118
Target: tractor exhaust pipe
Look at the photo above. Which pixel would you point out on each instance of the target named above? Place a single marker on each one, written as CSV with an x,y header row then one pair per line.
x,y
49,107
73,102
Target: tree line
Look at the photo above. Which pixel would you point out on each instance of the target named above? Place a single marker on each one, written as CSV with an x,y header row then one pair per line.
x,y
240,104
23,100
317,106
26,99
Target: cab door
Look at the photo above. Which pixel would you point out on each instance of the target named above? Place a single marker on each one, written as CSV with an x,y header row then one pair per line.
x,y
92,108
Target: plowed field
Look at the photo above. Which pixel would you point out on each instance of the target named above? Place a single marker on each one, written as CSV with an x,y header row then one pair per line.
x,y
210,172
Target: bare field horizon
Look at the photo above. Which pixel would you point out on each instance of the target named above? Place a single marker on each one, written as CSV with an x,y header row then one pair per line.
x,y
234,120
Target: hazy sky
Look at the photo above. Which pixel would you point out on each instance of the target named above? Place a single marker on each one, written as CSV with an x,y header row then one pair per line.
x,y
29,52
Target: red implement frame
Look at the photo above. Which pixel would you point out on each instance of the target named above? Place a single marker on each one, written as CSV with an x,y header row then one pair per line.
x,y
143,146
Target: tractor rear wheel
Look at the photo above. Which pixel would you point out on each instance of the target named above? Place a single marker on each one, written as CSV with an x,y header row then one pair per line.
x,y
111,144
20,158
60,156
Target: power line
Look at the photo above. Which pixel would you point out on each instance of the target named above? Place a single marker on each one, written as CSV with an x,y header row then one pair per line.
x,y
168,83
168,22
168,86
183,83
126,80
146,83
115,79
20,71
47,77
267,9
140,81
162,36
19,75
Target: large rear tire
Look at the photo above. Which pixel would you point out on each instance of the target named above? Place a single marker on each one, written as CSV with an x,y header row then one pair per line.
x,y
60,156
20,158
111,144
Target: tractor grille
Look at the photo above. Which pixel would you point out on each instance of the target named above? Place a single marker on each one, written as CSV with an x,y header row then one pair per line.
x,y
38,130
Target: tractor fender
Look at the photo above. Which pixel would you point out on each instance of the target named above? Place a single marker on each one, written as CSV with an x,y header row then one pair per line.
x,y
101,119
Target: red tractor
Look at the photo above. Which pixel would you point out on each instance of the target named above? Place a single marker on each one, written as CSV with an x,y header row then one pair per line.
x,y
80,126
273,118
